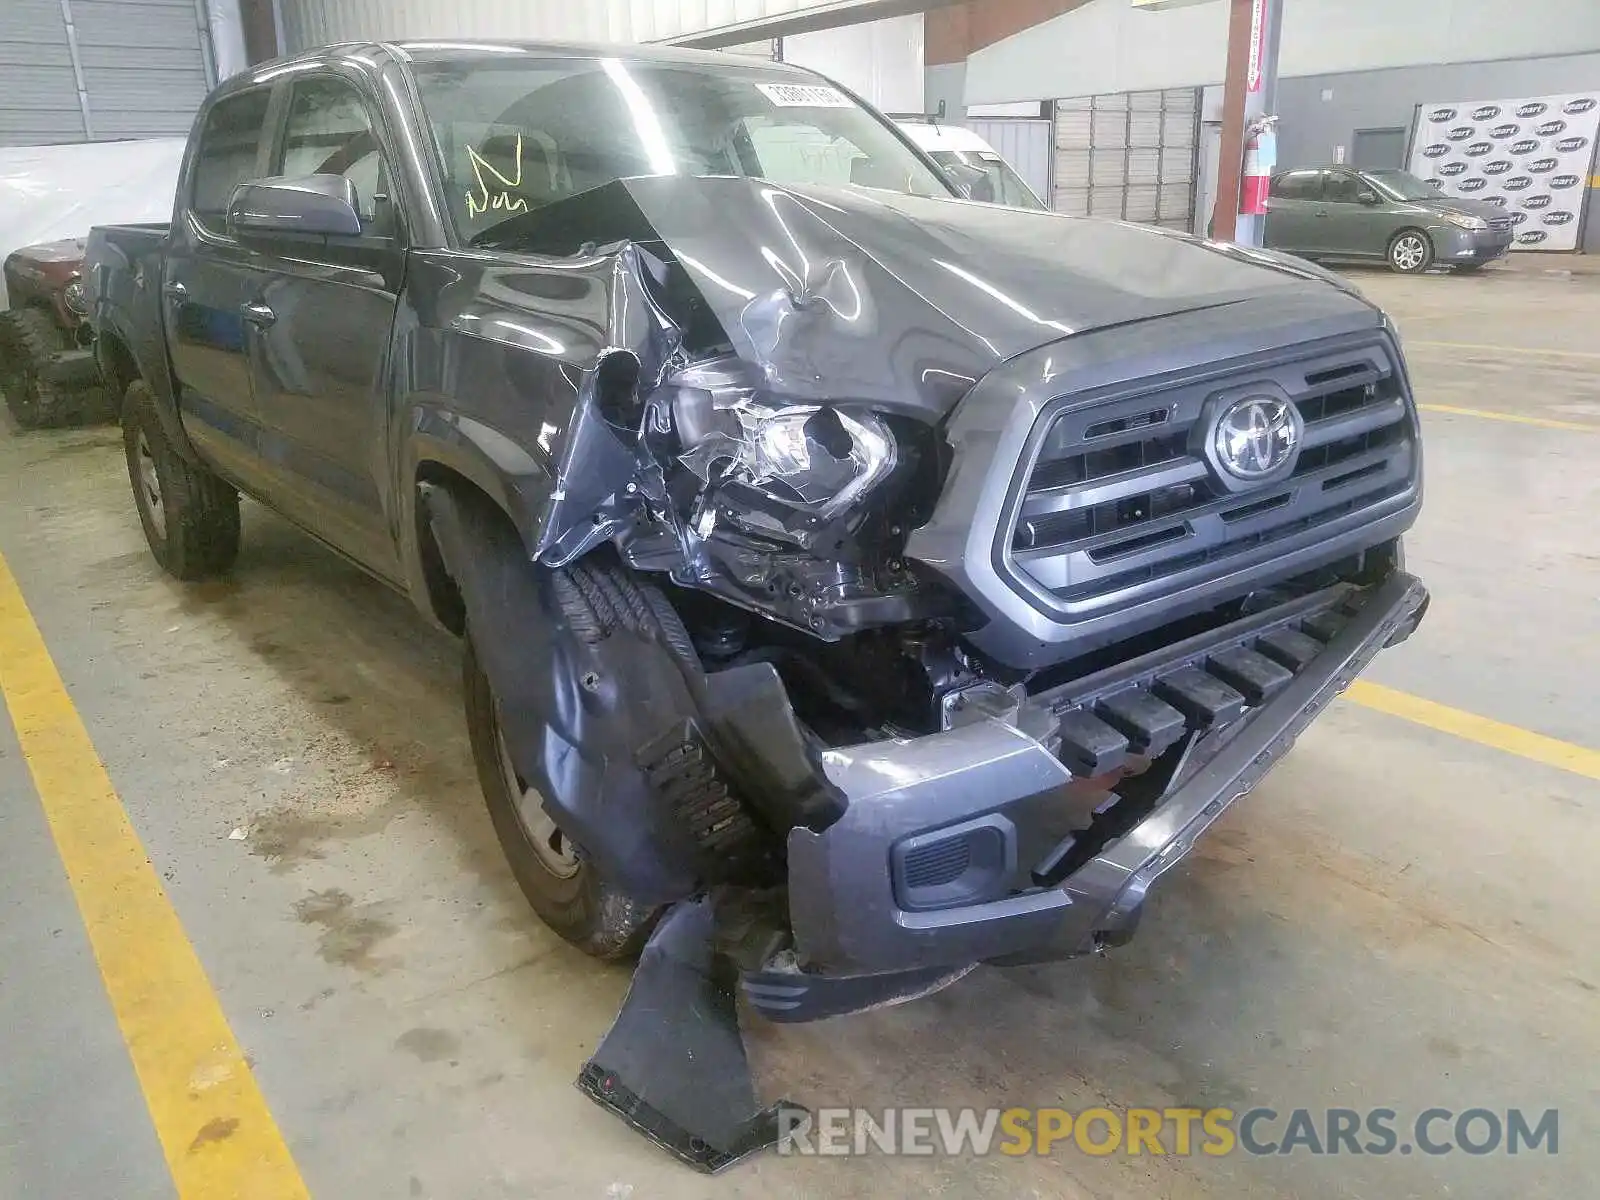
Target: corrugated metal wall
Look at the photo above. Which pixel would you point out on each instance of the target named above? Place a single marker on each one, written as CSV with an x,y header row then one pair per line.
x,y
143,66
39,95
316,22
1022,143
1130,155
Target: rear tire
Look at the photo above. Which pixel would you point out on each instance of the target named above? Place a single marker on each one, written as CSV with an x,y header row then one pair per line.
x,y
29,338
562,886
190,516
1410,252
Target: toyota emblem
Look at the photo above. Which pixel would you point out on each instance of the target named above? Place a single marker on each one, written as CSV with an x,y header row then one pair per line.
x,y
1256,437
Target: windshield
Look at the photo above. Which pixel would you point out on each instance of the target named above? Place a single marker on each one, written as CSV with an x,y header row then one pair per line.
x,y
1402,185
517,135
1004,186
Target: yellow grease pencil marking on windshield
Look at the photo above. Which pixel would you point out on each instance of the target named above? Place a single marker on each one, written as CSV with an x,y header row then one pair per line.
x,y
503,200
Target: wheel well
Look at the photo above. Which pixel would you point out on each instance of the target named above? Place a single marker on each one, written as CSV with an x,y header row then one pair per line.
x,y
117,365
444,597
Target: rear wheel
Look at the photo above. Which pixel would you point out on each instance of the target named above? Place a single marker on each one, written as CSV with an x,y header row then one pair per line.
x,y
1410,253
561,885
190,516
29,338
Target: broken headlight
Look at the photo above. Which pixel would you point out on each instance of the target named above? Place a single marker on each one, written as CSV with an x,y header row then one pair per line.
x,y
818,458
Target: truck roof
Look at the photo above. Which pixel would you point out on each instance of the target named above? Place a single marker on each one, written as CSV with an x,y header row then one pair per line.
x,y
468,49
930,136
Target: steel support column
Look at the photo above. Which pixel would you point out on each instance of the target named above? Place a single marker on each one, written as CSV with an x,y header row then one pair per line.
x,y
1255,29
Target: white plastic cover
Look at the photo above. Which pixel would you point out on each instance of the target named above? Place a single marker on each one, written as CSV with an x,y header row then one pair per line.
x,y
48,193
227,37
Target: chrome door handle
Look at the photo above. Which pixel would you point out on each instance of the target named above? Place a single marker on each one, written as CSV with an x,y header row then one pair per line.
x,y
176,291
257,313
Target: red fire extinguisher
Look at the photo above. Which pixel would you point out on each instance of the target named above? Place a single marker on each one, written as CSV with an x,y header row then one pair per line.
x,y
1260,161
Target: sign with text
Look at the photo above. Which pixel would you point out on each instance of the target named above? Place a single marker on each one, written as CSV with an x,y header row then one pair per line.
x,y
1531,157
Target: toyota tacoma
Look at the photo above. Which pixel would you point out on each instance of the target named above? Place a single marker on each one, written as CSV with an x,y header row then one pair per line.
x,y
856,582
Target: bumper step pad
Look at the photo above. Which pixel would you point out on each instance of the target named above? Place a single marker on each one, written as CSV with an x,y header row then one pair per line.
x,y
1146,710
673,1066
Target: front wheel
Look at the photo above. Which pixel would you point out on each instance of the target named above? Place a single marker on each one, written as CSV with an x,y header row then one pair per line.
x,y
190,516
1411,253
29,339
561,885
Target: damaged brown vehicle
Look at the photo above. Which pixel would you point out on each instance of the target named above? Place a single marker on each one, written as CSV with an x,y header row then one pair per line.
x,y
857,583
47,367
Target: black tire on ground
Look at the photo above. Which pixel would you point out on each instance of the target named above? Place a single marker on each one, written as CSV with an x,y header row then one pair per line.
x,y
1410,252
190,516
29,338
570,898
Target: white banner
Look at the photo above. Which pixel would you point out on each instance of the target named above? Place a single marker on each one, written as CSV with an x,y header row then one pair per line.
x,y
56,192
1531,157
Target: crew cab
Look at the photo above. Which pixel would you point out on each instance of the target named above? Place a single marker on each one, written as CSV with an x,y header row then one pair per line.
x,y
919,577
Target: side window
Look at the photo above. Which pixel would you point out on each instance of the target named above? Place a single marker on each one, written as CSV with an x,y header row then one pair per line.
x,y
331,133
1298,185
1342,188
227,153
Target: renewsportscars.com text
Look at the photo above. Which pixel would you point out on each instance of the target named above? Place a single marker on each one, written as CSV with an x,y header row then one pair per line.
x,y
1215,1132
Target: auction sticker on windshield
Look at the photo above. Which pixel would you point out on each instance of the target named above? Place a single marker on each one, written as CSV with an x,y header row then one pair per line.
x,y
804,95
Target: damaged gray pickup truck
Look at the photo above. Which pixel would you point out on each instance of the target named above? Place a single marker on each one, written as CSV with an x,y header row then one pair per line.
x,y
857,582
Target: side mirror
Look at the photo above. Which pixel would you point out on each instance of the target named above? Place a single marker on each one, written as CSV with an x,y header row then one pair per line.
x,y
321,205
1368,196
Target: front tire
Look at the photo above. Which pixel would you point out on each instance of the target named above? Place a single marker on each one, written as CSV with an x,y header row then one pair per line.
x,y
28,341
562,886
1410,252
190,516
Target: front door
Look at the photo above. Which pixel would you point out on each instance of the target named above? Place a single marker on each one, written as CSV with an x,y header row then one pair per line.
x,y
324,319
206,279
1353,220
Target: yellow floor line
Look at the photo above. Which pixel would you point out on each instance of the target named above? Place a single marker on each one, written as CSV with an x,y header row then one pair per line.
x,y
1514,418
1483,348
216,1131
1580,760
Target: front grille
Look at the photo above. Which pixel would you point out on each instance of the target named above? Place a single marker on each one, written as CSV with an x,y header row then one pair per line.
x,y
1499,224
1119,495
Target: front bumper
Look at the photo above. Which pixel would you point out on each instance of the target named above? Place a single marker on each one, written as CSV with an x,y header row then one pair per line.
x,y
988,780
72,369
1469,246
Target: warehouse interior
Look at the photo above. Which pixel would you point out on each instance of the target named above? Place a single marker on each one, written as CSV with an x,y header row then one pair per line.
x,y
271,801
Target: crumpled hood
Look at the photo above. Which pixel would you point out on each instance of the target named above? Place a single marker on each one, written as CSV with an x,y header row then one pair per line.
x,y
904,301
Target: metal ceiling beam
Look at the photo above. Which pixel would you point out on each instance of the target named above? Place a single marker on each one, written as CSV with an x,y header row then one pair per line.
x,y
806,20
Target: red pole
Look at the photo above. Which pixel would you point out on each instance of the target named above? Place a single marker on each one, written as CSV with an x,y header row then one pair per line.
x,y
1224,220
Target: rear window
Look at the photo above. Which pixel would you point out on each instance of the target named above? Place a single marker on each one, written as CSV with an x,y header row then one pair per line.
x,y
227,153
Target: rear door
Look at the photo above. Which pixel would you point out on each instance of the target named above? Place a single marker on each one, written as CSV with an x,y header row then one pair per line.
x,y
206,276
323,317
1291,211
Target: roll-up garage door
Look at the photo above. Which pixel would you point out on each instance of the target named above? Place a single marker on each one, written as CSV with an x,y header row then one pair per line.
x,y
39,95
1130,156
143,67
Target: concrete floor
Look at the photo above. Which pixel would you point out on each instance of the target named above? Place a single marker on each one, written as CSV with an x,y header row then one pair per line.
x,y
1396,917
